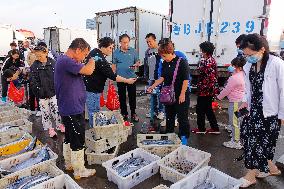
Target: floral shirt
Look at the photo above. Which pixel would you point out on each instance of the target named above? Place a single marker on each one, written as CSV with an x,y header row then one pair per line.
x,y
207,80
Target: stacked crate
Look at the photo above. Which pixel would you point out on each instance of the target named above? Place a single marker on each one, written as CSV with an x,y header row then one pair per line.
x,y
103,142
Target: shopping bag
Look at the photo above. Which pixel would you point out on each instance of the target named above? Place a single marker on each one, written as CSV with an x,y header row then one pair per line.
x,y
112,102
102,100
16,95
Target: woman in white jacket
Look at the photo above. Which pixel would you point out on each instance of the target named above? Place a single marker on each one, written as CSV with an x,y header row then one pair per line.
x,y
264,78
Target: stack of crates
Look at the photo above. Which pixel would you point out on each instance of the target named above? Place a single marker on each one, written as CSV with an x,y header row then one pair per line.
x,y
103,142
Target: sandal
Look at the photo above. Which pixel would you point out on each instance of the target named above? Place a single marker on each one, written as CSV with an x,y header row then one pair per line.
x,y
246,183
262,175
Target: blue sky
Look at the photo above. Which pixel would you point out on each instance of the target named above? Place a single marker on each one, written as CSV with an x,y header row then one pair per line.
x,y
37,14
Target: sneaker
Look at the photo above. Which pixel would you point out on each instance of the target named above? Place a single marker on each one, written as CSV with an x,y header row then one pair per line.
x,y
176,122
135,118
51,132
228,128
38,114
163,123
233,144
197,131
161,115
213,131
61,128
4,99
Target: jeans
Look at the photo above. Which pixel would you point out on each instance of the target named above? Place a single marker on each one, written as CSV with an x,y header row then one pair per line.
x,y
93,105
155,105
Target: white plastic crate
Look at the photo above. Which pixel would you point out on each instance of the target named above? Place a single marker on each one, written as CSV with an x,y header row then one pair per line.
x,y
183,155
137,176
99,158
102,144
218,178
160,150
7,108
161,186
23,124
13,111
10,118
51,170
8,163
59,182
12,135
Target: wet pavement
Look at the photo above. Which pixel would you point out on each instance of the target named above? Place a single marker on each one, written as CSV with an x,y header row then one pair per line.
x,y
222,158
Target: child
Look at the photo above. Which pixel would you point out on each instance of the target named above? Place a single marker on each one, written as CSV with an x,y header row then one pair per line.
x,y
42,84
234,90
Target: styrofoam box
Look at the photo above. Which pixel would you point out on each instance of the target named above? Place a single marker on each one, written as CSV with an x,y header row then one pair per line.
x,y
7,108
58,182
160,150
31,171
161,186
99,158
12,135
218,178
23,124
6,164
103,144
137,176
180,154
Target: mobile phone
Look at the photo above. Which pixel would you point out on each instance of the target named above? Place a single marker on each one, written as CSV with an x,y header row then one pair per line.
x,y
132,67
242,112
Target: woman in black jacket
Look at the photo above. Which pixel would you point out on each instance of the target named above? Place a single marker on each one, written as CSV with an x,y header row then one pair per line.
x,y
42,84
95,83
12,61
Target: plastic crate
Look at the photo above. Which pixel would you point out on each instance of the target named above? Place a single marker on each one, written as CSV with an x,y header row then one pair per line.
x,y
59,182
161,186
11,136
160,150
218,178
100,145
31,171
99,158
23,124
13,111
10,118
137,176
183,155
11,150
7,108
6,164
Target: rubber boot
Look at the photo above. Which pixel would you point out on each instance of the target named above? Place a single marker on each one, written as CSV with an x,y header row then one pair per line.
x,y
78,164
67,156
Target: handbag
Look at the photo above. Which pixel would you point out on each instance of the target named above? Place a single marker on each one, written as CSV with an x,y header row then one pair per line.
x,y
167,95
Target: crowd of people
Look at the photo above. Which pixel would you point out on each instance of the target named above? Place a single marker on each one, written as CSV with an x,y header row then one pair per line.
x,y
77,78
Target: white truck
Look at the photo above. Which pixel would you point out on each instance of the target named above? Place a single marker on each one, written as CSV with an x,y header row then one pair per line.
x,y
217,21
59,39
135,22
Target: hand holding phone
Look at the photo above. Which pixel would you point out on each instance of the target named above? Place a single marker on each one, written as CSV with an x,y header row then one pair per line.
x,y
242,112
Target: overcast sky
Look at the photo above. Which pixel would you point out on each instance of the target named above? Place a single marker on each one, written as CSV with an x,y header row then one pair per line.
x,y
34,15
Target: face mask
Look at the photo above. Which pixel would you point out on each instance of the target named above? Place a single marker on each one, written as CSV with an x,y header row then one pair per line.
x,y
253,59
240,51
231,69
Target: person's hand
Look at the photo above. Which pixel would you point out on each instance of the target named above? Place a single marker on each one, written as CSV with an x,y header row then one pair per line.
x,y
282,122
131,80
137,64
181,98
150,89
243,105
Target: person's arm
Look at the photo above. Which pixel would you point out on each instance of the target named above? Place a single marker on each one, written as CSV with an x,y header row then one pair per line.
x,y
124,80
280,81
227,90
184,72
35,80
89,68
183,90
157,83
113,67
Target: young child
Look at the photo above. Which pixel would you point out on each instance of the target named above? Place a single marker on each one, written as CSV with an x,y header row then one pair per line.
x,y
234,90
42,83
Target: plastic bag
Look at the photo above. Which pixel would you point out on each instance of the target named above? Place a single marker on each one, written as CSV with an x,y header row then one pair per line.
x,y
112,98
16,95
102,100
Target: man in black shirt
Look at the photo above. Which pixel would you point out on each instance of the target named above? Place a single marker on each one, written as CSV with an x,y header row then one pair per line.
x,y
95,83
